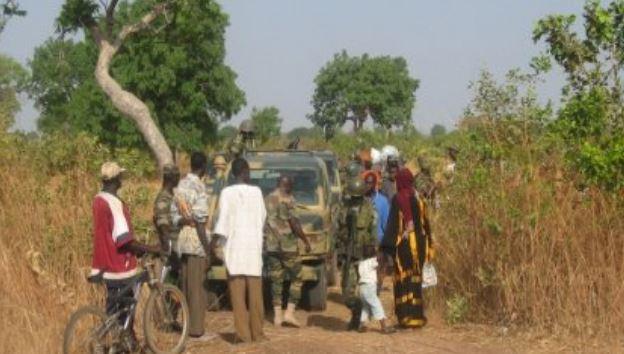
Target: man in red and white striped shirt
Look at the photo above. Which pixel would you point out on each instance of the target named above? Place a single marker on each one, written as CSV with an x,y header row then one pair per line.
x,y
114,246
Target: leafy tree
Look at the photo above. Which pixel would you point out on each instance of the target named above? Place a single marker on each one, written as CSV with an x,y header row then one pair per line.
x,y
8,9
438,130
592,119
11,75
354,88
504,115
267,122
303,132
69,98
168,52
227,132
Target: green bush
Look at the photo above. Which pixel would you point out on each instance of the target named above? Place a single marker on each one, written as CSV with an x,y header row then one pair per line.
x,y
456,309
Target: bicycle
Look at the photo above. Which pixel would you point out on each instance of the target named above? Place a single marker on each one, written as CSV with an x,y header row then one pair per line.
x,y
165,318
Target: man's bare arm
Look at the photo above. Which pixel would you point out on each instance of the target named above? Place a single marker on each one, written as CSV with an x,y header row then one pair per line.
x,y
203,237
295,226
138,248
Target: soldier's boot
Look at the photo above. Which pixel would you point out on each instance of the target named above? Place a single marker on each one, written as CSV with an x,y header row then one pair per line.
x,y
278,319
289,316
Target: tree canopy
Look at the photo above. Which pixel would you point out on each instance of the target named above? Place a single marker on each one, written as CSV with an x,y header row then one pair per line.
x,y
592,118
354,88
11,76
227,132
173,62
437,130
8,9
267,122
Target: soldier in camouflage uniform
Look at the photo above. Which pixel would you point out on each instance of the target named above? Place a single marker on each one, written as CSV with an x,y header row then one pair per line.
x,y
283,262
162,215
214,185
359,231
424,182
243,141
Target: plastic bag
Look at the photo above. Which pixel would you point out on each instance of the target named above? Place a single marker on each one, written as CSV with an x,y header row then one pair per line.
x,y
430,277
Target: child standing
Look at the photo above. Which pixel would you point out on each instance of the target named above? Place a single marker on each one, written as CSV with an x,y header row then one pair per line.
x,y
371,305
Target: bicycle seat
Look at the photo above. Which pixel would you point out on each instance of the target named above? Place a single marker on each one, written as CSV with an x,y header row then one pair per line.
x,y
96,278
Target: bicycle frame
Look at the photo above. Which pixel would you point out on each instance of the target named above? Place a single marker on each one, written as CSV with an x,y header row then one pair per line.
x,y
130,309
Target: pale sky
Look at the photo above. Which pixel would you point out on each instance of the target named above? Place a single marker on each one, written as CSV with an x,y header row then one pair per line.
x,y
278,46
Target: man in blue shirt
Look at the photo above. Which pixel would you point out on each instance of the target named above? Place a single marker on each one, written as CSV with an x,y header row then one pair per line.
x,y
380,202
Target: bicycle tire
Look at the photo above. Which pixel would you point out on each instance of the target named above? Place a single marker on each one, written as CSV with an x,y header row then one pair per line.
x,y
151,307
74,319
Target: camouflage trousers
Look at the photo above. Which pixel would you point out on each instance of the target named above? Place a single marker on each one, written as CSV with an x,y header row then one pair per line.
x,y
349,285
284,267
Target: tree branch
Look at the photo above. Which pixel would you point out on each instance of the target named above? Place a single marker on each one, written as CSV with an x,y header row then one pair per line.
x,y
110,17
150,17
98,36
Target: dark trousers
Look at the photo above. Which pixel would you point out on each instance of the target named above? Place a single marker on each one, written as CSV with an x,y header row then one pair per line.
x,y
114,293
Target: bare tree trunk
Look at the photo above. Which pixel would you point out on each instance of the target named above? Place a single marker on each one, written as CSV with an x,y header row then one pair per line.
x,y
130,105
126,102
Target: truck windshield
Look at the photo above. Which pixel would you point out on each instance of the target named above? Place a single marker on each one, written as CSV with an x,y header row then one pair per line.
x,y
305,183
331,172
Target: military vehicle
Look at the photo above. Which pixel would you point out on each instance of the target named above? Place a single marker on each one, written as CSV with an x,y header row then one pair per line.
x,y
331,163
312,191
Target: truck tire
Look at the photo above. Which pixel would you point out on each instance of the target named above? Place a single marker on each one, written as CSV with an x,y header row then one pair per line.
x,y
316,293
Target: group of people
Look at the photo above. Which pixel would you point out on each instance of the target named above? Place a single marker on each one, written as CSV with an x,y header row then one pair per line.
x,y
192,226
383,223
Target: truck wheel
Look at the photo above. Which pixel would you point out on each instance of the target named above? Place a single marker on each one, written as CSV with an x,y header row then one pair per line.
x,y
317,291
333,278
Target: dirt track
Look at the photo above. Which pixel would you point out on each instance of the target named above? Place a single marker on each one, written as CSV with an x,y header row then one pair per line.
x,y
325,333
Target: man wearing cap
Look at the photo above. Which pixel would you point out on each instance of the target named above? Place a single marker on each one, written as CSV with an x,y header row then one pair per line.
x,y
162,216
114,246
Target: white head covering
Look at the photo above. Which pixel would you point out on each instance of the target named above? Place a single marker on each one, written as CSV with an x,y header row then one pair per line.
x,y
389,151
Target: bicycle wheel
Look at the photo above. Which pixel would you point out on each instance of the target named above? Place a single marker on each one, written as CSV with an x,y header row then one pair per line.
x,y
86,332
166,320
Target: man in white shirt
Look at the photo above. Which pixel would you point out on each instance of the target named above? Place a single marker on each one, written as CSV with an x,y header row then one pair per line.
x,y
241,219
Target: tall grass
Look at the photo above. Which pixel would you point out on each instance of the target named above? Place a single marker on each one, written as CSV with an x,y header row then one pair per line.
x,y
525,247
45,236
518,244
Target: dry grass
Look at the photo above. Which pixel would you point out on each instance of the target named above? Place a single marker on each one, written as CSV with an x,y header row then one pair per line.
x,y
45,247
526,249
523,248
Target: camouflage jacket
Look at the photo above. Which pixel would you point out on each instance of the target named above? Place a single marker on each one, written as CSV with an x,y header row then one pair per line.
x,y
237,147
364,218
162,211
279,235
425,185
